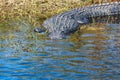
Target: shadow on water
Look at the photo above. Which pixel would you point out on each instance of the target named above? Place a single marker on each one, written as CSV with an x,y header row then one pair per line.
x,y
92,53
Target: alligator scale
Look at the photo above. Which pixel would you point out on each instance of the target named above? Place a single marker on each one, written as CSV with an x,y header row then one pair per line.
x,y
62,24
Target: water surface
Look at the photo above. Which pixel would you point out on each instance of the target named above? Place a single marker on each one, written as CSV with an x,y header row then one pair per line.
x,y
93,53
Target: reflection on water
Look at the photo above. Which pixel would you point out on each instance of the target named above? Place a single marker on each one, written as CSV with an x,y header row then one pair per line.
x,y
90,54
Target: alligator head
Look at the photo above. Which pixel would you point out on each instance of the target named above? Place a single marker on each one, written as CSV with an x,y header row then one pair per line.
x,y
51,35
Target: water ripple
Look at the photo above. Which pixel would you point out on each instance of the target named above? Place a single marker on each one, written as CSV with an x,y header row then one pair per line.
x,y
94,56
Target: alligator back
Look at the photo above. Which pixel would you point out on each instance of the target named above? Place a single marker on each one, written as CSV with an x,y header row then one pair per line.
x,y
67,22
99,10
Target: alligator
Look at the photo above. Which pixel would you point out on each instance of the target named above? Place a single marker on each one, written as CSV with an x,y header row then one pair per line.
x,y
68,22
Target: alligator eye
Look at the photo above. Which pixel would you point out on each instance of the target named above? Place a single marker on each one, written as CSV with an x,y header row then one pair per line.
x,y
40,30
36,30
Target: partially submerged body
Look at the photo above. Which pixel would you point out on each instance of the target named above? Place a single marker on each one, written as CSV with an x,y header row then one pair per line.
x,y
62,24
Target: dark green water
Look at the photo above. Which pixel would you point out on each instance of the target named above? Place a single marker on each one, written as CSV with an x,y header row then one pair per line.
x,y
93,54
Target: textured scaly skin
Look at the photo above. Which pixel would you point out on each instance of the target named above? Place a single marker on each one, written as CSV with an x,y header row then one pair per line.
x,y
65,23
